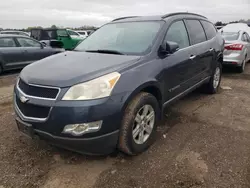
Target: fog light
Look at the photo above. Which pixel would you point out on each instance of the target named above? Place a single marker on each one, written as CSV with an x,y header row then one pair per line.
x,y
80,129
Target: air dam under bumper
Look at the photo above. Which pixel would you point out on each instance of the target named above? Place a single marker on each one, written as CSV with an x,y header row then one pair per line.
x,y
101,145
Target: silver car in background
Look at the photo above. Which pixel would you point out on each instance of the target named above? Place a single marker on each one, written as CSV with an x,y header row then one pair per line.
x,y
237,49
15,33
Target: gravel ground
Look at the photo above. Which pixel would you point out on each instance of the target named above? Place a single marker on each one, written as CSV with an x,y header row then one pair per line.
x,y
204,141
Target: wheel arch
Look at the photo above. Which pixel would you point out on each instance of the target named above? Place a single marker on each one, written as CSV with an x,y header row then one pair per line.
x,y
220,58
152,87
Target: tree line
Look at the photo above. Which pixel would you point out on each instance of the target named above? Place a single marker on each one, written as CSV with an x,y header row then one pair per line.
x,y
220,23
86,27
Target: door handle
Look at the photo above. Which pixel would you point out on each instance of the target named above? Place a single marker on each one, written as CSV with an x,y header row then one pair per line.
x,y
211,49
192,57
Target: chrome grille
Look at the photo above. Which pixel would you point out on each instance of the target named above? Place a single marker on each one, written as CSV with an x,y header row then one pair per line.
x,y
36,91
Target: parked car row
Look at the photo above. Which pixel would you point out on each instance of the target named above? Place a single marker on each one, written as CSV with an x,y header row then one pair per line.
x,y
110,91
63,38
17,51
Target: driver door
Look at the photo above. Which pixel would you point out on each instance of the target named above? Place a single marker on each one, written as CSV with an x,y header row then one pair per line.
x,y
33,50
65,38
179,66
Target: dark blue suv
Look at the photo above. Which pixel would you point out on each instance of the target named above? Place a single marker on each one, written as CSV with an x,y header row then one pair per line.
x,y
111,90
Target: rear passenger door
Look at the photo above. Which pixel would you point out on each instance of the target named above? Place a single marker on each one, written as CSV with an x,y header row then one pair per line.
x,y
212,43
201,50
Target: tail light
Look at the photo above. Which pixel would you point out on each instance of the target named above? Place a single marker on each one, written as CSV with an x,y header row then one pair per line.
x,y
236,47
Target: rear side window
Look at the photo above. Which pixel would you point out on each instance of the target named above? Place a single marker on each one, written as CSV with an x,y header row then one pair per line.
x,y
209,29
244,38
177,33
7,42
248,38
196,31
62,32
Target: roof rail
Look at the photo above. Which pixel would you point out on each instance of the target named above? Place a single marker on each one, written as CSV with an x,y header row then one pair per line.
x,y
179,13
123,18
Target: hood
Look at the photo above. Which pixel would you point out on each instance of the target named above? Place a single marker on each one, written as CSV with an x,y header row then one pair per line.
x,y
69,68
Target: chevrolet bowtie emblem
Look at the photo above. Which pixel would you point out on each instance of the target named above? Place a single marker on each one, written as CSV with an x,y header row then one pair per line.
x,y
24,99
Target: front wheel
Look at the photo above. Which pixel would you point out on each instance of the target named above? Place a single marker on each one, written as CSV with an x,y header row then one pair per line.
x,y
213,85
139,124
1,69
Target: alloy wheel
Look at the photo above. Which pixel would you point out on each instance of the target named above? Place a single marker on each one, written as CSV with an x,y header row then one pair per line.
x,y
143,124
216,80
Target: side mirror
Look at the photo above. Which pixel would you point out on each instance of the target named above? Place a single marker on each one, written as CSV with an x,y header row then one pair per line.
x,y
172,47
169,47
43,44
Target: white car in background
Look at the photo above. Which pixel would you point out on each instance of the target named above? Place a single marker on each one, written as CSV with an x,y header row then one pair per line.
x,y
84,34
236,27
237,48
75,34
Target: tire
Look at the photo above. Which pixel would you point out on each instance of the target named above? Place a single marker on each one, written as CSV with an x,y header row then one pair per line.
x,y
129,143
211,87
242,67
1,69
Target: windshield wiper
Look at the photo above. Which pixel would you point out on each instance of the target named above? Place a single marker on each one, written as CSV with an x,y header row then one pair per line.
x,y
106,51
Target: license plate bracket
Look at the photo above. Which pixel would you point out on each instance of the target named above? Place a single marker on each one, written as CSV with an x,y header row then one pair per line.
x,y
25,128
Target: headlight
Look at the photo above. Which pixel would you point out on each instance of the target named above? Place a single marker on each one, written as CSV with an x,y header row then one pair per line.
x,y
94,89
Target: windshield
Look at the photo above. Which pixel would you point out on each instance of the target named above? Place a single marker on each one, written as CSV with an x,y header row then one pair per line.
x,y
81,32
132,38
229,36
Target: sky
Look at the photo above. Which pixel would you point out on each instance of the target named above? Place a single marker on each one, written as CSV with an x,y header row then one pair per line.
x,y
76,13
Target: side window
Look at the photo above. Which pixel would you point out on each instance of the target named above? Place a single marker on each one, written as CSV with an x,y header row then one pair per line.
x,y
196,31
7,42
24,42
72,33
62,32
244,38
178,33
209,29
248,38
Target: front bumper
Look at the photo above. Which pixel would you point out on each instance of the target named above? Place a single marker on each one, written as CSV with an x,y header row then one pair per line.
x,y
63,113
101,145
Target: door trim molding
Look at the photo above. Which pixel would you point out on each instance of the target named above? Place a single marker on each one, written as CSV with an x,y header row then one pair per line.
x,y
186,91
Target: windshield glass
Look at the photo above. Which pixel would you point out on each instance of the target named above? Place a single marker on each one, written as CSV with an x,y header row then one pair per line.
x,y
81,32
229,36
132,38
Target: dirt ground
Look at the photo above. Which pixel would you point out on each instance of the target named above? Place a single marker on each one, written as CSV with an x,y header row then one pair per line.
x,y
204,141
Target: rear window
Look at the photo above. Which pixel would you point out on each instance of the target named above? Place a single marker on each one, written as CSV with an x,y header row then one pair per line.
x,y
196,31
209,29
230,36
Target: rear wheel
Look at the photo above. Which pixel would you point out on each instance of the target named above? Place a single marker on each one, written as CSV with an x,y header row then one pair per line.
x,y
139,124
214,83
242,67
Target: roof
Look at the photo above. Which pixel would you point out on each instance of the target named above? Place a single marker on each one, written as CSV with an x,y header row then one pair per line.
x,y
156,18
14,31
12,35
